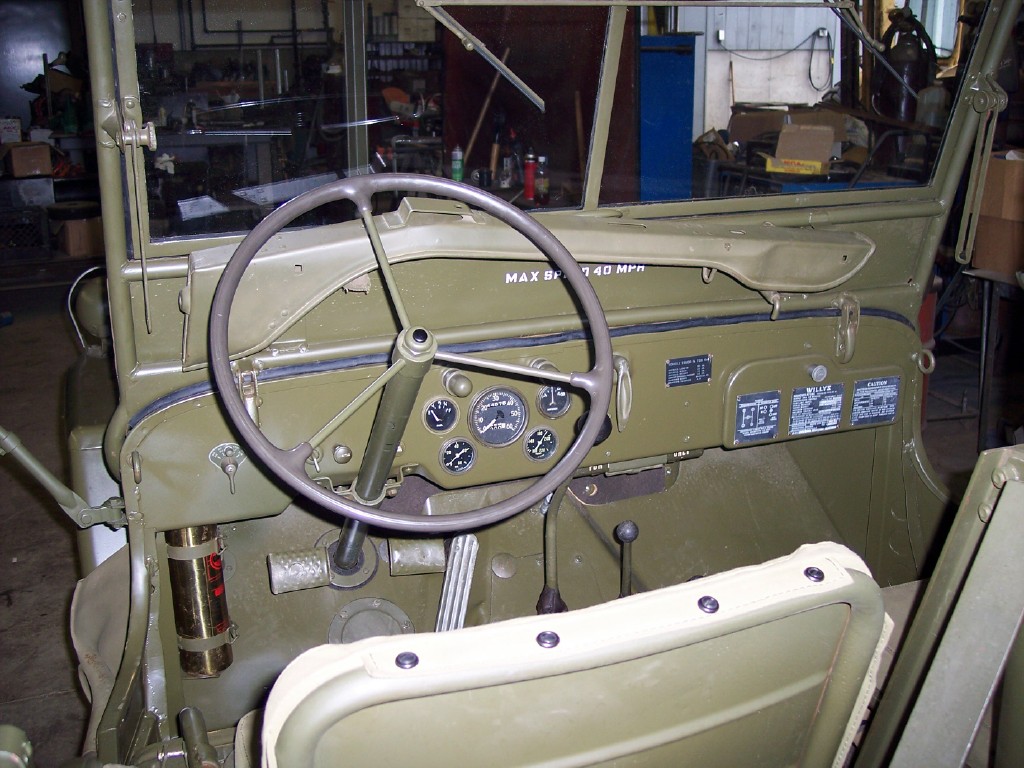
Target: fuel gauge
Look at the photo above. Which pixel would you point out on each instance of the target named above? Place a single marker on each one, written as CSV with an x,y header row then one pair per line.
x,y
440,415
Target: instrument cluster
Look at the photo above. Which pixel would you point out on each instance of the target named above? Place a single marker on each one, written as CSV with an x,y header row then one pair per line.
x,y
497,417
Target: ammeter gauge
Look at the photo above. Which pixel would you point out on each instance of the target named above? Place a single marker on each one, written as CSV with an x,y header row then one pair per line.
x,y
553,401
498,416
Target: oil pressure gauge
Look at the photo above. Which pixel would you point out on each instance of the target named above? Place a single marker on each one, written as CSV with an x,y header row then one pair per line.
x,y
498,416
440,415
457,456
540,445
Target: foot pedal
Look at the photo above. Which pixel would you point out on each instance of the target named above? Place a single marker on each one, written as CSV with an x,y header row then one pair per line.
x,y
458,579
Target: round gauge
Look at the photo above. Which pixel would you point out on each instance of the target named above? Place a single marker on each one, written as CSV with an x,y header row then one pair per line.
x,y
498,416
440,415
540,444
553,401
457,456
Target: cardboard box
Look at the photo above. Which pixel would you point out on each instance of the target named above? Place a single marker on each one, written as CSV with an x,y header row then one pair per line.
x,y
999,245
829,117
744,126
27,158
1004,189
10,130
81,237
802,149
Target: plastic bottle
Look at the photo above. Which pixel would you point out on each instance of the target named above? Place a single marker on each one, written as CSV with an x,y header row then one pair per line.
x,y
542,183
457,163
529,176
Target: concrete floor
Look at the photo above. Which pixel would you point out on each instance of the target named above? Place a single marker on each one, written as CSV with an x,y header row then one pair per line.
x,y
38,683
39,689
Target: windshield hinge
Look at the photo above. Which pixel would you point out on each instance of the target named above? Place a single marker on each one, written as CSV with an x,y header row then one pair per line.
x,y
988,99
846,329
986,94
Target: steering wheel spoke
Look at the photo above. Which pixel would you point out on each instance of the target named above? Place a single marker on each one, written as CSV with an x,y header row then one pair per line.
x,y
366,213
357,402
541,374
290,465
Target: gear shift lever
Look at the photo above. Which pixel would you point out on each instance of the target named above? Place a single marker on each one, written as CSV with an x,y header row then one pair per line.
x,y
626,532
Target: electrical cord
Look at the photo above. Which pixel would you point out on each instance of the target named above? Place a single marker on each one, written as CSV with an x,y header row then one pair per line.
x,y
812,38
831,60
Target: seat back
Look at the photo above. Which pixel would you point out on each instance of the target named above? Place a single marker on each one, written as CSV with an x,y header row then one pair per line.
x,y
765,665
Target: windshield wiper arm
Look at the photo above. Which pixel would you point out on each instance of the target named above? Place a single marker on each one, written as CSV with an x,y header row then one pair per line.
x,y
472,43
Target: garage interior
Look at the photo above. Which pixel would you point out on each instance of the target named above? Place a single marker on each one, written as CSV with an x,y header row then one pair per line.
x,y
49,231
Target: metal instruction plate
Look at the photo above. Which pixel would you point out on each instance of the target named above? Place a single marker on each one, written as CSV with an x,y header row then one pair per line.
x,y
757,417
875,401
816,409
680,371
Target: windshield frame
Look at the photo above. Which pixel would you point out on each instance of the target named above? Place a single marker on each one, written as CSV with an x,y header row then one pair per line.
x,y
871,203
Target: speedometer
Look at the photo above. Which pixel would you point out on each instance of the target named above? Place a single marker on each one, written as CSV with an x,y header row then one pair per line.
x,y
498,416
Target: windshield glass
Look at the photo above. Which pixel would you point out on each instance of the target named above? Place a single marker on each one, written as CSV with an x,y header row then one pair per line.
x,y
716,102
253,109
255,103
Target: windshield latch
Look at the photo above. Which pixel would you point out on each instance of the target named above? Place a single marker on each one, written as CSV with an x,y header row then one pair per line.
x,y
248,388
846,329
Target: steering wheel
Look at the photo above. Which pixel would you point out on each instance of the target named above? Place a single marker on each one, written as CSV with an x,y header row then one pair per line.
x,y
420,351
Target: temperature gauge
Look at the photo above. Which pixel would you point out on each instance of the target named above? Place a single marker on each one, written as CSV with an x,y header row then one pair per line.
x,y
553,401
440,415
457,456
540,444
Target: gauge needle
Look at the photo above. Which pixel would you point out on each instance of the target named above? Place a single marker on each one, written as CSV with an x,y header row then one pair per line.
x,y
460,454
484,429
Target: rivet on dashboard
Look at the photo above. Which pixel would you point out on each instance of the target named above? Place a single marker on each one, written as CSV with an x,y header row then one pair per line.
x,y
406,660
548,639
342,454
708,604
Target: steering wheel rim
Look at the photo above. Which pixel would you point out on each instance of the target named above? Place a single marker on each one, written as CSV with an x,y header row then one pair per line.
x,y
289,465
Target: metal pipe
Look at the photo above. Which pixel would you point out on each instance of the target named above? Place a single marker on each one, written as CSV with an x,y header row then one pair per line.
x,y
199,753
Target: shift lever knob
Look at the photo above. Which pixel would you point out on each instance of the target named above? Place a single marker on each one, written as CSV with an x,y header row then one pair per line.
x,y
626,532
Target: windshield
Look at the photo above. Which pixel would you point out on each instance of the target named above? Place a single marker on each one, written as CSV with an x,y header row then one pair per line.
x,y
254,105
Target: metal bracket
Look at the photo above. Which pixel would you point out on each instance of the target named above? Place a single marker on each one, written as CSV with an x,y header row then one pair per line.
x,y
988,99
248,388
846,329
986,94
775,299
